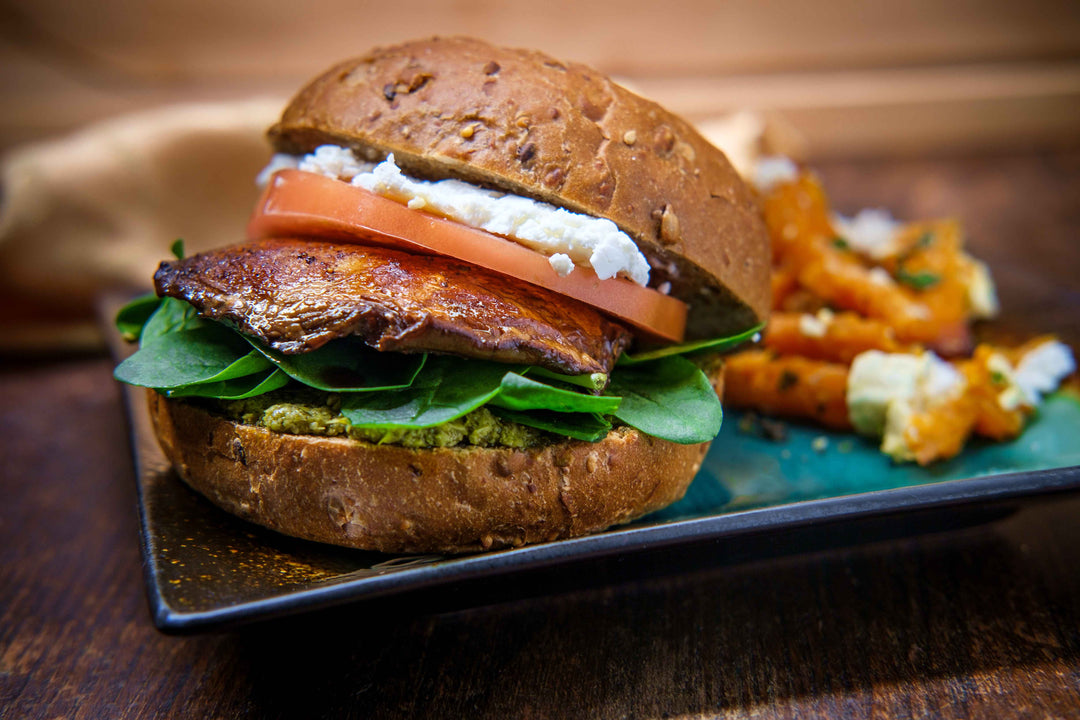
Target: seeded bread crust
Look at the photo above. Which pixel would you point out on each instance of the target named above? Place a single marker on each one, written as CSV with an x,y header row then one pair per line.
x,y
400,500
559,132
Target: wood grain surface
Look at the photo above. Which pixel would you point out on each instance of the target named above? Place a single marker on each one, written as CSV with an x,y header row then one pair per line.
x,y
980,622
853,77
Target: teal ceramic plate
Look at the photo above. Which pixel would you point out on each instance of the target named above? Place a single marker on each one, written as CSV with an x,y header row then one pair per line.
x,y
206,570
744,470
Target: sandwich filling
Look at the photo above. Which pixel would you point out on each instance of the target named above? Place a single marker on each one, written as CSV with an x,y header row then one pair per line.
x,y
567,239
411,329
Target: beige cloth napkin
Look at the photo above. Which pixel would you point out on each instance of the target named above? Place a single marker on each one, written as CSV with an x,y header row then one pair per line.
x,y
98,210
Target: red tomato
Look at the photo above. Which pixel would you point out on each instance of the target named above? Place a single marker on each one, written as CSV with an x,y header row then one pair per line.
x,y
303,204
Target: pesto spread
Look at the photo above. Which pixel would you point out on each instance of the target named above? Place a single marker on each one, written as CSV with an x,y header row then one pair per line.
x,y
313,413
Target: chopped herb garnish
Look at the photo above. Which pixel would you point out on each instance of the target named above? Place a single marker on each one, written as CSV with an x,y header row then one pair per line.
x,y
919,280
925,240
840,243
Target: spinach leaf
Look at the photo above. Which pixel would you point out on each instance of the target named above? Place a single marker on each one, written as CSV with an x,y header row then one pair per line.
x,y
171,316
669,398
236,388
449,387
205,354
131,318
712,345
517,392
446,389
347,365
593,382
579,426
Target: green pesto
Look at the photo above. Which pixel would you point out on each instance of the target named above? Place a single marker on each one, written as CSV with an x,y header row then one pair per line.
x,y
314,413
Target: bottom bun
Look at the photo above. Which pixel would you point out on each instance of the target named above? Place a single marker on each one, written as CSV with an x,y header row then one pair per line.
x,y
401,500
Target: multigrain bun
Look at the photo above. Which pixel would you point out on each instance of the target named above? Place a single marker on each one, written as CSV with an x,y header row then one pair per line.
x,y
395,499
525,123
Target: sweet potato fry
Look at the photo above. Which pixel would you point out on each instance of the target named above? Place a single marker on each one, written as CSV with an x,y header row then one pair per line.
x,y
788,386
940,431
835,338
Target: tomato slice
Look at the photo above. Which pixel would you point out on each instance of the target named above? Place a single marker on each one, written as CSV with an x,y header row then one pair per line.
x,y
303,204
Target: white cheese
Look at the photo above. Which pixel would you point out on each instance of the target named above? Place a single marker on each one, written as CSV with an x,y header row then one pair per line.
x,y
280,161
772,171
335,162
1041,370
816,326
562,264
886,390
875,380
592,242
1003,375
580,239
880,276
894,442
981,294
872,232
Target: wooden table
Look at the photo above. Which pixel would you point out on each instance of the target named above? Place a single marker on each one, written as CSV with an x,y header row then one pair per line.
x,y
976,622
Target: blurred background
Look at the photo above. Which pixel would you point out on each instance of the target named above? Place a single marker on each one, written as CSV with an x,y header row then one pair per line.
x,y
852,76
127,123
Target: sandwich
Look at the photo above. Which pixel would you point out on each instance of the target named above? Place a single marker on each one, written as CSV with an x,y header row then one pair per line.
x,y
480,304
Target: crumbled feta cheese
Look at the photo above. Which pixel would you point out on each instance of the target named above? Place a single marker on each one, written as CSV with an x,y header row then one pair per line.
x,y
562,264
1003,375
335,162
880,276
593,242
894,441
772,171
940,378
816,325
875,380
885,390
664,288
583,240
981,294
872,232
1041,370
280,161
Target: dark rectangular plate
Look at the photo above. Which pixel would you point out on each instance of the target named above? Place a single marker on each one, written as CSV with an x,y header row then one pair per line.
x,y
206,570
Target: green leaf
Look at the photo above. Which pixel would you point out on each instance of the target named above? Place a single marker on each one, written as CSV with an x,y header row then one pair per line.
x,y
590,381
447,388
347,365
917,280
171,316
579,426
670,398
517,392
205,354
713,344
131,318
177,248
236,388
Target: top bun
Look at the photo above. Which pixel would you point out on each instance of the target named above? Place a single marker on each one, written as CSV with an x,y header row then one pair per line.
x,y
528,124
